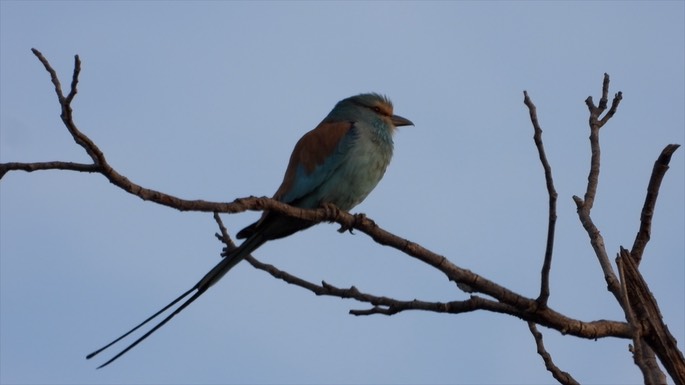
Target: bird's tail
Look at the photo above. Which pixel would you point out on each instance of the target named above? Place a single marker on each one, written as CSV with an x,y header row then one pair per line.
x,y
227,263
212,277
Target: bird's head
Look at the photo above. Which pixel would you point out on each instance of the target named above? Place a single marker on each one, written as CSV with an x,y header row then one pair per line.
x,y
369,106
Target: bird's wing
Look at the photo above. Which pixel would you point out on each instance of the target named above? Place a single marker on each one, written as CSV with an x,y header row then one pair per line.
x,y
315,157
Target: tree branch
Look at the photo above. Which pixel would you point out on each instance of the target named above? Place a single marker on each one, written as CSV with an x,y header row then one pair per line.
x,y
658,172
551,191
649,321
643,356
584,206
390,306
558,374
640,306
595,124
55,165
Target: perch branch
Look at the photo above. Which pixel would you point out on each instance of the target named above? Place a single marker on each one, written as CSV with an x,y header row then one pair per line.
x,y
389,306
551,191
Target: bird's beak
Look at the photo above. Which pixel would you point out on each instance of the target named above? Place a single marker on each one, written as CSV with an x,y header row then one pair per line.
x,y
399,121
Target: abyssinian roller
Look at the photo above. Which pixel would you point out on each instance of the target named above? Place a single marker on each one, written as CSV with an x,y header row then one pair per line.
x,y
337,163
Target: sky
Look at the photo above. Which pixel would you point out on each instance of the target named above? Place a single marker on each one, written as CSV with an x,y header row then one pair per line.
x,y
205,100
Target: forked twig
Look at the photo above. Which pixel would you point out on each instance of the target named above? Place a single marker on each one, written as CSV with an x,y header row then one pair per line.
x,y
584,206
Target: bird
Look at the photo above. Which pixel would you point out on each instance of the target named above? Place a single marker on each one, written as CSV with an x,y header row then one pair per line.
x,y
337,163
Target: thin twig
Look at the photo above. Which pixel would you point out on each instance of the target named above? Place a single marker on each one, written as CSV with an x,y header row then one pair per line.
x,y
558,374
74,80
53,75
658,172
551,191
56,165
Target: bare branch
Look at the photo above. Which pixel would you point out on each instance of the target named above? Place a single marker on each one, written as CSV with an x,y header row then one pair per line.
x,y
597,242
643,356
53,75
390,306
382,305
551,191
632,293
65,103
649,318
658,172
584,206
633,285
596,111
55,165
614,106
656,375
74,80
595,124
558,374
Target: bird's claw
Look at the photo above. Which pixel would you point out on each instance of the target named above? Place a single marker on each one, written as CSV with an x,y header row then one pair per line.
x,y
358,218
332,211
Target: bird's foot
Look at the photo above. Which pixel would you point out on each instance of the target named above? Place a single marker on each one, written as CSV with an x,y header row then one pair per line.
x,y
358,218
332,212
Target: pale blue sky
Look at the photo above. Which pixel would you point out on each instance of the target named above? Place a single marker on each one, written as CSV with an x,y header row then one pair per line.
x,y
206,99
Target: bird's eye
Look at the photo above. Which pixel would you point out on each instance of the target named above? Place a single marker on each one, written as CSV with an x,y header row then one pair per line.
x,y
377,109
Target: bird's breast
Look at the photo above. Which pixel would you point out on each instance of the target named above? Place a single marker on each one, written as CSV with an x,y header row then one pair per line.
x,y
363,167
